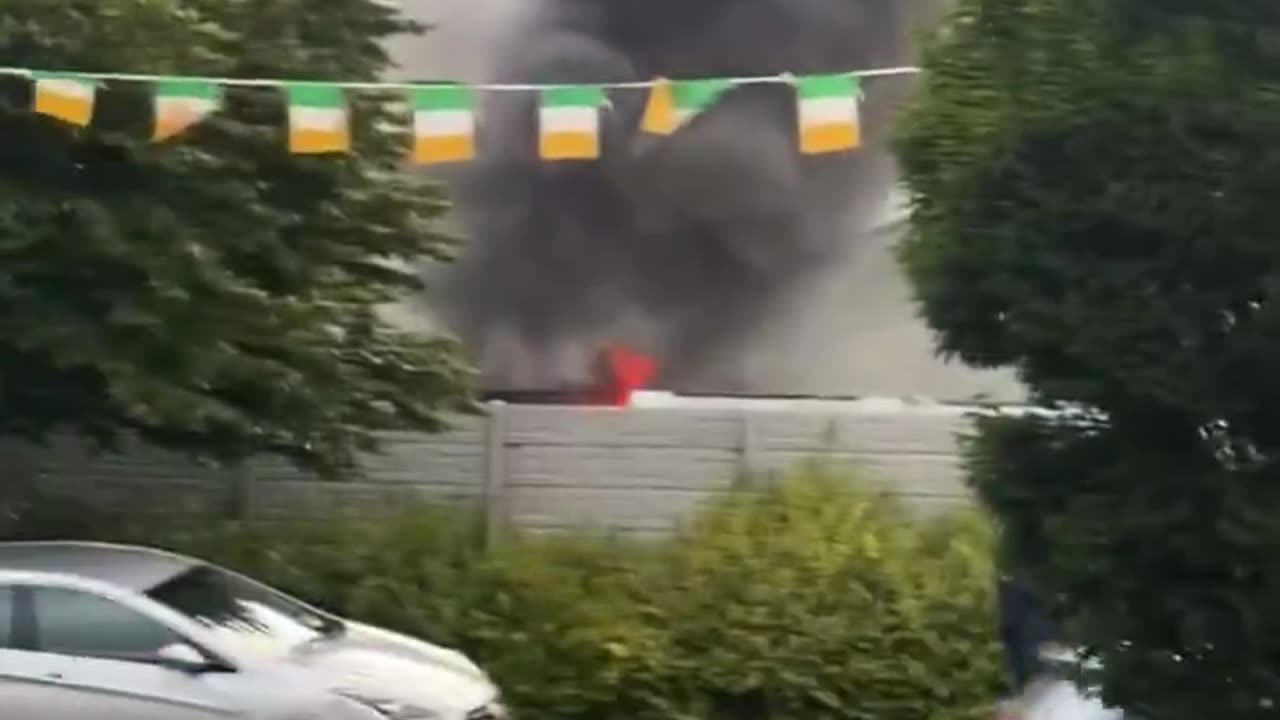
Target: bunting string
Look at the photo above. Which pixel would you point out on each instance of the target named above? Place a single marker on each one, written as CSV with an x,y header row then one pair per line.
x,y
445,115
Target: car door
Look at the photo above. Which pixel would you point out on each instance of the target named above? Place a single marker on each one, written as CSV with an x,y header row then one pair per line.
x,y
103,660
29,680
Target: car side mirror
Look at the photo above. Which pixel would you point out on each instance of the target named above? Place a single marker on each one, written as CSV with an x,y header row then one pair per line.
x,y
183,657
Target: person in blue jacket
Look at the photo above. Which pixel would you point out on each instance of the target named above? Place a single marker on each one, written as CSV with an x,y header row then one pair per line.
x,y
1024,628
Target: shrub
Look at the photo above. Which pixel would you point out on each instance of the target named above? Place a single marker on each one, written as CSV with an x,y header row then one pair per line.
x,y
804,598
814,599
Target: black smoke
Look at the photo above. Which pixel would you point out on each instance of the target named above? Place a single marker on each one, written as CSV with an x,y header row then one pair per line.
x,y
679,246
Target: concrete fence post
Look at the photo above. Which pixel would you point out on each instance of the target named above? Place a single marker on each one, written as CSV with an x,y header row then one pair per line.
x,y
237,484
495,472
748,446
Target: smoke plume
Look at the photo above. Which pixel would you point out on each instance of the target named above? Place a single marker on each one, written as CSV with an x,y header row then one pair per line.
x,y
683,247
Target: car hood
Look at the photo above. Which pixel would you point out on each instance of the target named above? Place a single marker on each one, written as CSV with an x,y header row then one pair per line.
x,y
383,666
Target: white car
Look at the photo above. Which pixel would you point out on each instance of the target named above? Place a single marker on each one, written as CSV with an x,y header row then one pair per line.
x,y
104,632
1061,691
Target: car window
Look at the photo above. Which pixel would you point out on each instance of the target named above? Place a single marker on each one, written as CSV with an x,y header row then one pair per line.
x,y
6,617
71,622
251,617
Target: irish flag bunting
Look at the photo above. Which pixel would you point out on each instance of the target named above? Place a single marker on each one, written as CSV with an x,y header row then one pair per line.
x,y
318,119
65,96
672,103
445,114
180,104
828,113
444,124
569,122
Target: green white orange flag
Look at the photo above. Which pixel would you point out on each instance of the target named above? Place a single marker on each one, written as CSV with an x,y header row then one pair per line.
x,y
181,104
444,124
569,122
318,119
827,106
673,103
65,96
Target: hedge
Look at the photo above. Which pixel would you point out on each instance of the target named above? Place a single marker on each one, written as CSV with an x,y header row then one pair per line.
x,y
805,598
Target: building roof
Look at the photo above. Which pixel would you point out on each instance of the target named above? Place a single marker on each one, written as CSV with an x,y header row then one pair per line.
x,y
134,568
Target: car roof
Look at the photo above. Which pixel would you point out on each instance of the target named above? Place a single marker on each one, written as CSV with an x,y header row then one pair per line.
x,y
135,568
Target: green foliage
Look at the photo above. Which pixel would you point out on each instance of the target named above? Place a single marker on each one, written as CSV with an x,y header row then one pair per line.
x,y
212,294
1092,189
806,599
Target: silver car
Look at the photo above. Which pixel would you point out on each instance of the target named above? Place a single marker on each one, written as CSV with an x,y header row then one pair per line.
x,y
105,632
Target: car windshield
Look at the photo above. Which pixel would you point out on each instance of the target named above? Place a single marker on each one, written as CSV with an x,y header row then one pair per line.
x,y
245,615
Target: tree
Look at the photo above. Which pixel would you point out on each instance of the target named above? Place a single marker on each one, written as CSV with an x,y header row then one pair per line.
x,y
1093,187
211,294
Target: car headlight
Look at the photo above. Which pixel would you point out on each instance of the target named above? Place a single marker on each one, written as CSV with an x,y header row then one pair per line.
x,y
394,709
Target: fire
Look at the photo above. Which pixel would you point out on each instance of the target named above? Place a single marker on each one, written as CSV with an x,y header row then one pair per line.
x,y
620,372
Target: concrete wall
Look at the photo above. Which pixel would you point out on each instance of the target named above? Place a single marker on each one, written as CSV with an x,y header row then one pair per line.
x,y
641,469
